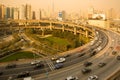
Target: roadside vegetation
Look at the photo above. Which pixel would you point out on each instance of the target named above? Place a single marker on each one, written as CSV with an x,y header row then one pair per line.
x,y
19,55
57,39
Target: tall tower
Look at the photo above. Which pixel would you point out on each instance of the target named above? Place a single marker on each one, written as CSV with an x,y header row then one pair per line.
x,y
90,12
40,14
28,12
2,11
8,13
62,15
33,15
16,13
22,12
111,13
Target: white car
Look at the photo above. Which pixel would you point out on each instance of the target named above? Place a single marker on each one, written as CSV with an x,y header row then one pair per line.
x,y
94,77
60,60
35,62
71,78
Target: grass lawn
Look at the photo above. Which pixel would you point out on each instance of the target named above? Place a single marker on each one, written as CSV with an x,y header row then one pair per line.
x,y
19,55
57,40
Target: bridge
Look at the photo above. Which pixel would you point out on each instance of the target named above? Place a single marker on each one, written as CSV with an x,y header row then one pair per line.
x,y
51,25
47,24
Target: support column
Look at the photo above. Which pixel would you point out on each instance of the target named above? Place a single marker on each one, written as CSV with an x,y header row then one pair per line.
x,y
39,25
50,25
63,28
86,33
25,26
75,30
42,32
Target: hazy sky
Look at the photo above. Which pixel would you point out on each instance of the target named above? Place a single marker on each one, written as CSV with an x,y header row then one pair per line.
x,y
68,5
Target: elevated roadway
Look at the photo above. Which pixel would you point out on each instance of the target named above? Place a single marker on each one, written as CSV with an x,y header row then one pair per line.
x,y
46,24
74,64
72,60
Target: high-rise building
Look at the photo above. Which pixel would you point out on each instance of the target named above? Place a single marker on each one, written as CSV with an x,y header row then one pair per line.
x,y
16,13
111,13
40,15
33,15
2,11
12,12
90,12
9,13
22,12
61,15
28,12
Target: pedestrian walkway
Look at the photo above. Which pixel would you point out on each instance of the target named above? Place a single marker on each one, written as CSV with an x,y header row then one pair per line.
x,y
50,64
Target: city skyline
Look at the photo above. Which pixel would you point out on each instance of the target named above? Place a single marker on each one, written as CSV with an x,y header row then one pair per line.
x,y
67,5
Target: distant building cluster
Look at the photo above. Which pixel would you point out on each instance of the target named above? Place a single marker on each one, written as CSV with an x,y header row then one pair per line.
x,y
96,15
24,12
101,15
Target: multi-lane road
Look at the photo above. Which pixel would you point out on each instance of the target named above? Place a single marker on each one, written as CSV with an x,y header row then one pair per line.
x,y
102,72
105,41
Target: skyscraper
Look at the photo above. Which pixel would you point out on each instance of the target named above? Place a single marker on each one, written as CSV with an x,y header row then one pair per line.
x,y
111,13
33,15
2,11
22,12
61,15
28,12
90,12
40,15
9,12
16,13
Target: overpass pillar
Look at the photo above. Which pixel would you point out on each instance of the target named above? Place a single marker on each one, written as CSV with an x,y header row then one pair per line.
x,y
42,32
86,33
75,30
39,24
63,28
50,25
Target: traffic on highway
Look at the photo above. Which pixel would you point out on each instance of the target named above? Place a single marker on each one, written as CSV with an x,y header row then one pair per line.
x,y
86,58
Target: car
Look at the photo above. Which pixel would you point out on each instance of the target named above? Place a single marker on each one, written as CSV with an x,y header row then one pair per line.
x,y
94,77
86,70
101,64
118,57
67,55
35,62
60,60
114,52
80,55
1,73
87,63
72,78
54,58
28,78
58,65
99,48
38,66
10,66
23,74
93,53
